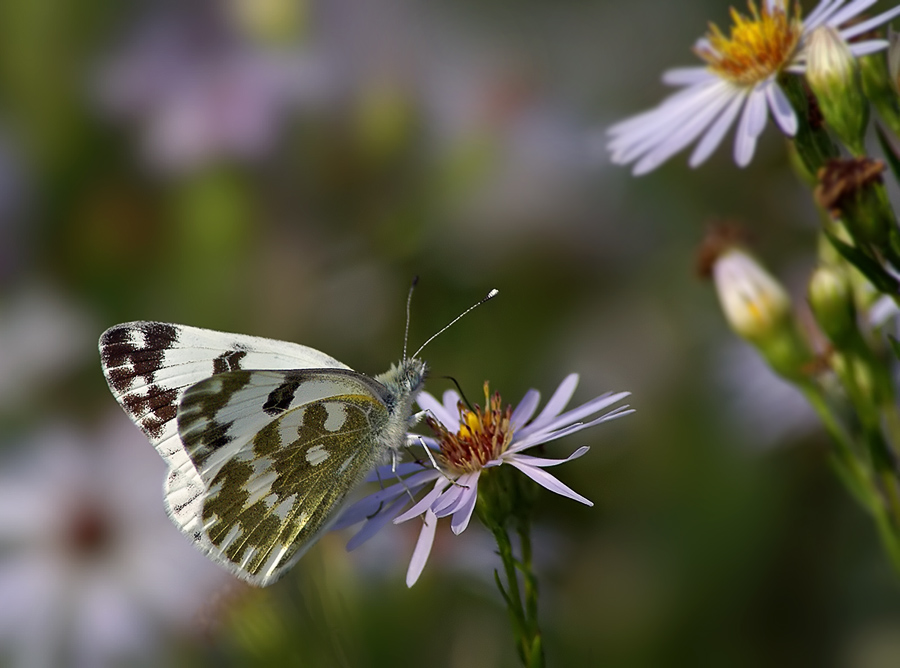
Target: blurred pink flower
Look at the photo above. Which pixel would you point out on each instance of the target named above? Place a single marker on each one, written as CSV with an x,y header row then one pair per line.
x,y
92,573
199,91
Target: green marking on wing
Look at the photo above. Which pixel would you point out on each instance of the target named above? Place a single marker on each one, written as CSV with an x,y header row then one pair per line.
x,y
271,502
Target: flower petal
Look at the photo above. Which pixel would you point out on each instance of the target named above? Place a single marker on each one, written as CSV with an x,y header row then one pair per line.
x,y
866,26
428,403
463,513
542,462
369,506
869,46
716,133
525,409
425,502
684,131
753,120
593,406
641,134
821,13
552,435
451,404
456,496
781,109
547,481
423,548
687,76
657,126
849,11
669,104
561,396
375,524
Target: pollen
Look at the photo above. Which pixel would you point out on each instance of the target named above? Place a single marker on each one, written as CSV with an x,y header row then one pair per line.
x,y
484,435
759,46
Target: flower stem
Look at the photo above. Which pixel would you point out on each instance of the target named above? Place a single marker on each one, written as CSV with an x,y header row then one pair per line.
x,y
875,490
523,614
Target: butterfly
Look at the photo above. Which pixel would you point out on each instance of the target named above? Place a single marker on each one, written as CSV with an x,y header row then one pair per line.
x,y
263,438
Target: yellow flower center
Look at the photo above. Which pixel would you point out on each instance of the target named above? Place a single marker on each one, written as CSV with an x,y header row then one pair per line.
x,y
483,436
760,44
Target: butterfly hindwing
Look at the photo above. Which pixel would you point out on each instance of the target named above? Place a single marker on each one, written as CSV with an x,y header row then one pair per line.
x,y
269,446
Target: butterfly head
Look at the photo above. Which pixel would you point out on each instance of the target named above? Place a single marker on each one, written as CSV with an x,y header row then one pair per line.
x,y
403,381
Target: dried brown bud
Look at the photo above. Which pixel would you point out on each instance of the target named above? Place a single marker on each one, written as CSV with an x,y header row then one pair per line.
x,y
841,180
720,237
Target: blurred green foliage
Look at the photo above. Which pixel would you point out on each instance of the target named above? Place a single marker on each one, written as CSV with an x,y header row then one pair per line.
x,y
702,549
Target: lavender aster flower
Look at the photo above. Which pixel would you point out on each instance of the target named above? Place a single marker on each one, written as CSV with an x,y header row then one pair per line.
x,y
740,77
468,444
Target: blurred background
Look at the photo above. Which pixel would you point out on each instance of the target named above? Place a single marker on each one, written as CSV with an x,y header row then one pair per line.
x,y
283,168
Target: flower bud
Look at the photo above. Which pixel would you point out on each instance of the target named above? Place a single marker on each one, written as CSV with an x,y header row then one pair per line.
x,y
833,74
831,300
755,304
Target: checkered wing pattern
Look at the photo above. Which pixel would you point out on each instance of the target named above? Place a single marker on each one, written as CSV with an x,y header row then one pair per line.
x,y
149,365
277,451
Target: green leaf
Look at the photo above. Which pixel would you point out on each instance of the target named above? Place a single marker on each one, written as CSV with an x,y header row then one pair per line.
x,y
895,345
870,268
536,654
892,159
503,593
851,482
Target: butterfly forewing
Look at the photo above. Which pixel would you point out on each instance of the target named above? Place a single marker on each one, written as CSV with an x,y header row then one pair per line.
x,y
269,446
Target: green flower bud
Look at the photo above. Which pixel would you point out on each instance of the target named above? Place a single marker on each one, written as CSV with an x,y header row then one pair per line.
x,y
831,300
833,74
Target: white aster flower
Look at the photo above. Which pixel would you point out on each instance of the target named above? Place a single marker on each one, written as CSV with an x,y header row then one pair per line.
x,y
469,443
740,78
88,576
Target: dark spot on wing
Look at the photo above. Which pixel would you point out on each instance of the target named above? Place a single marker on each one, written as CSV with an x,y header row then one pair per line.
x,y
280,398
230,361
155,408
216,435
125,360
200,432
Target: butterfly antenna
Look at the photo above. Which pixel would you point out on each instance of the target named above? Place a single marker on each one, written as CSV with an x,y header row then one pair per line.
x,y
460,390
408,303
493,293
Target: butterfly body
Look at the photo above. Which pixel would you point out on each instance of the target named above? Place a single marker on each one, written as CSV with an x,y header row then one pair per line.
x,y
263,438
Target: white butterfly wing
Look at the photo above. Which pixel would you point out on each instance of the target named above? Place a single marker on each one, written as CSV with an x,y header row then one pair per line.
x,y
149,365
277,451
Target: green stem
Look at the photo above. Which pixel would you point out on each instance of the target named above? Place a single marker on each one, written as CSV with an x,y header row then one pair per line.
x,y
511,593
523,616
880,500
531,595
